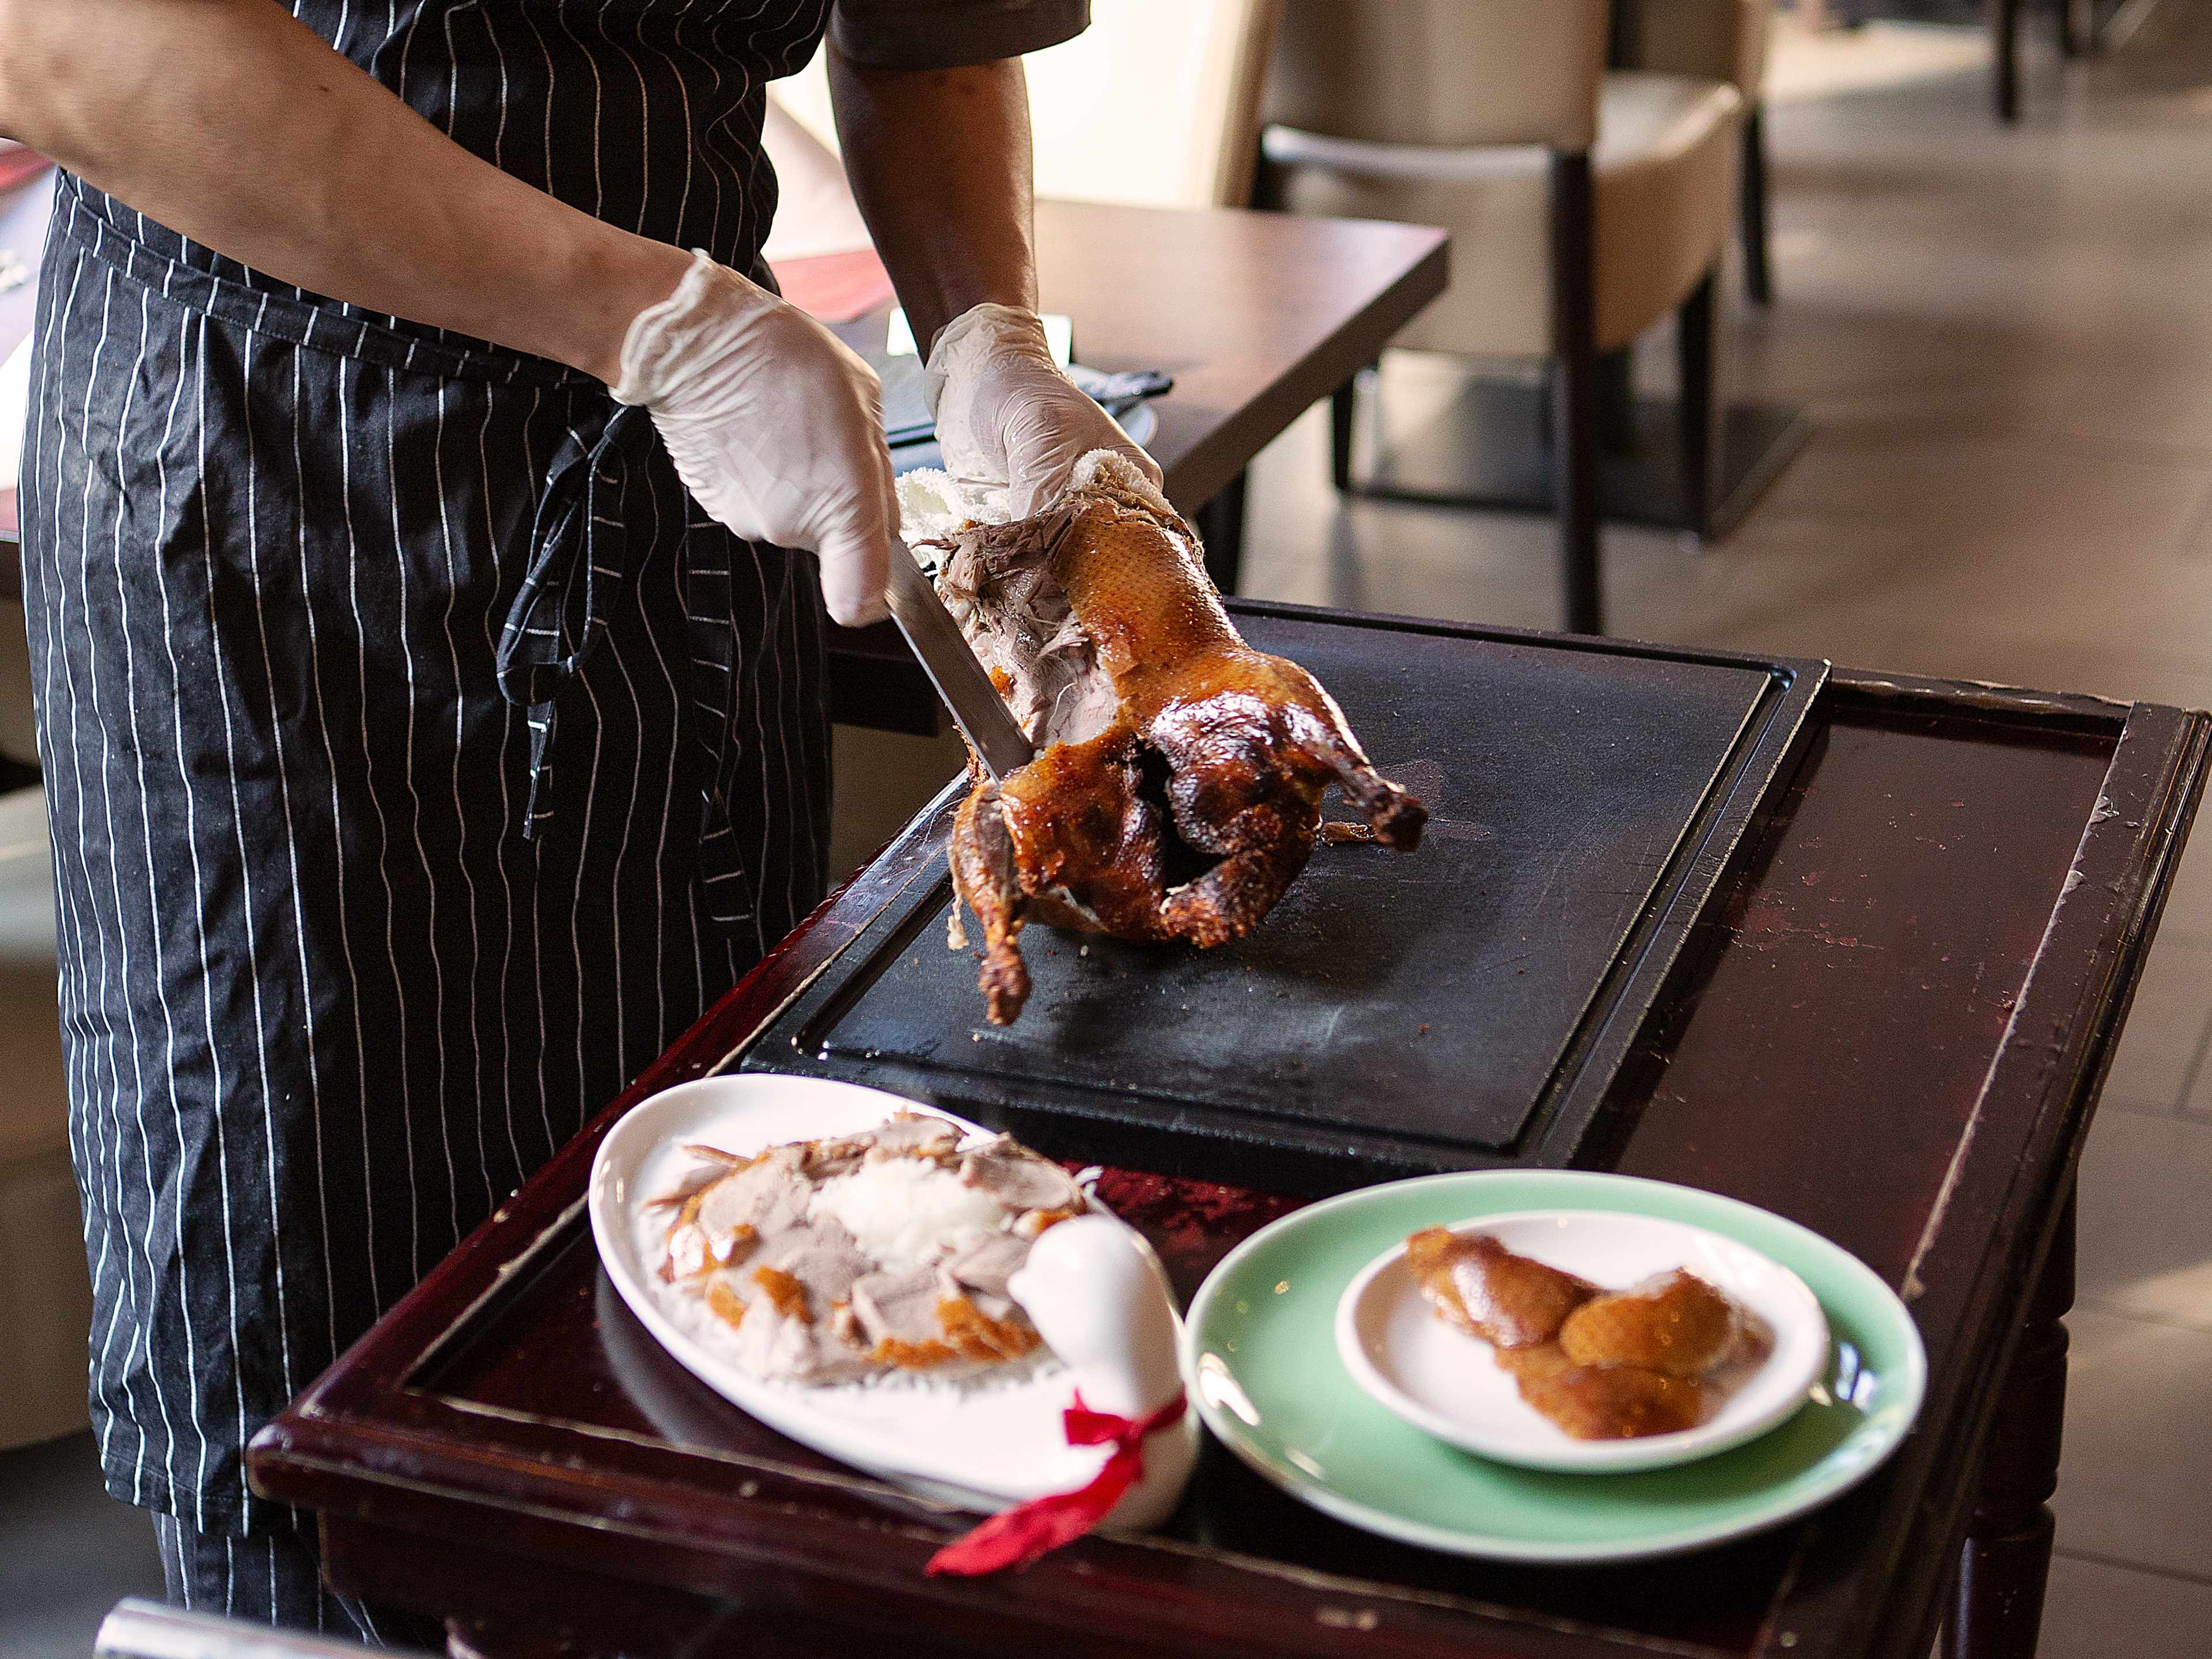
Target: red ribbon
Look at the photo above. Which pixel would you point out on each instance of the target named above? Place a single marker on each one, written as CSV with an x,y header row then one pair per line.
x,y
1016,1536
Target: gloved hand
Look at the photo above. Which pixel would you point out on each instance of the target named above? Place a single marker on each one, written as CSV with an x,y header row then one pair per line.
x,y
776,428
1005,413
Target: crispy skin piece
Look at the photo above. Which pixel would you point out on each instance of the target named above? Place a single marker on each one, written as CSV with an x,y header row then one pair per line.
x,y
1656,1358
1488,1291
1605,1402
974,1334
1673,1322
1098,619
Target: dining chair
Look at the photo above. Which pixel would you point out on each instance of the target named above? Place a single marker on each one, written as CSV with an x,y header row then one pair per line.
x,y
45,1292
1157,104
1584,204
1714,41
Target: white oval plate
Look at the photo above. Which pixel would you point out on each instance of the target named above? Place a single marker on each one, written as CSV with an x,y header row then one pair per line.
x,y
980,1444
1445,1382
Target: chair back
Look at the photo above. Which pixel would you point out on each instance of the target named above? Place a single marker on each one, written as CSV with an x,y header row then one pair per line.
x,y
1441,73
1711,40
1157,103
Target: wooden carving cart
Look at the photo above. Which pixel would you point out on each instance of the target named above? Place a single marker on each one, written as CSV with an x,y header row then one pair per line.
x,y
1865,955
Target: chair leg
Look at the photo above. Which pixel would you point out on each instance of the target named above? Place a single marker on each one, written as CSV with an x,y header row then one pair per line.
x,y
1574,347
1758,273
1616,400
1693,346
2004,41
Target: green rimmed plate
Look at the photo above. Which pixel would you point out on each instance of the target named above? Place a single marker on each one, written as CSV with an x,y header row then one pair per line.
x,y
1260,1352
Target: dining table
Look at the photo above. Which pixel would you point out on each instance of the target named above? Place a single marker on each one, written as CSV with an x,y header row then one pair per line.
x,y
1864,968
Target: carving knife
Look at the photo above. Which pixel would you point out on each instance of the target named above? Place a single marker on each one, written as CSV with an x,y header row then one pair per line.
x,y
950,661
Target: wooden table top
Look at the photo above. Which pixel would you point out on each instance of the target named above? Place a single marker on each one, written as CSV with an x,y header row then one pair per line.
x,y
1258,316
1891,1027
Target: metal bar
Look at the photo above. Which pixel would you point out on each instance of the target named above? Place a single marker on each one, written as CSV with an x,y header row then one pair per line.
x,y
136,1628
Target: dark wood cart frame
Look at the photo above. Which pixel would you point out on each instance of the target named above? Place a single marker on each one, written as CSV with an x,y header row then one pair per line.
x,y
474,1454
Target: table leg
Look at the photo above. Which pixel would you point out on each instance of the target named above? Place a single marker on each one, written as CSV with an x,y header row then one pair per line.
x,y
1997,1610
1343,418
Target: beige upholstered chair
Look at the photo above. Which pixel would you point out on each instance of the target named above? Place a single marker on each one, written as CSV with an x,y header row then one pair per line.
x,y
1583,205
1157,103
1716,40
45,1295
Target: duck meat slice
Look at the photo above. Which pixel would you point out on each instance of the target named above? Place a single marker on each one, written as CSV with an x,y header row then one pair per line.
x,y
836,1155
781,1347
1150,715
819,1256
1019,1179
717,1223
913,1136
985,1266
768,1195
898,1316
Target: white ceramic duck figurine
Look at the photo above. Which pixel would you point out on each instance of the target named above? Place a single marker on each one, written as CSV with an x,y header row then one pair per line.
x,y
1099,1298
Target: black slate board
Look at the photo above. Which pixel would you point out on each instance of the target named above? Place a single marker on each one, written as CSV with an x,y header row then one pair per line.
x,y
1395,1012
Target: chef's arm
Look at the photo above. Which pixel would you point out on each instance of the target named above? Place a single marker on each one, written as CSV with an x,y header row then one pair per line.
x,y
231,122
940,163
939,160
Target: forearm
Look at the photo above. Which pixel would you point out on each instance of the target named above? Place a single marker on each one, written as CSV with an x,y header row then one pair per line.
x,y
235,125
940,163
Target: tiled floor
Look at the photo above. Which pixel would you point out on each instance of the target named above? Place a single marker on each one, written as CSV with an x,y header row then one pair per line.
x,y
2004,340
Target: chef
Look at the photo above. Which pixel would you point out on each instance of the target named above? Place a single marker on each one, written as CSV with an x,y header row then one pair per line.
x,y
429,514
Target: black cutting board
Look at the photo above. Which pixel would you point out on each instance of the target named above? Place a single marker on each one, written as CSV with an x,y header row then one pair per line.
x,y
1394,1012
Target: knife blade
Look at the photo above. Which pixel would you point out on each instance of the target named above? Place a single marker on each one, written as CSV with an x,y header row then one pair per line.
x,y
950,661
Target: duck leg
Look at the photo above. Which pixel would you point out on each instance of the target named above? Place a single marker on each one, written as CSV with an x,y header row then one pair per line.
x,y
985,877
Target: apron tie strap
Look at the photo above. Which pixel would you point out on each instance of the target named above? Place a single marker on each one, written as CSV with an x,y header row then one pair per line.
x,y
582,558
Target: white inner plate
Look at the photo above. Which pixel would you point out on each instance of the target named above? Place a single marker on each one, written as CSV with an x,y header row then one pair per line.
x,y
981,1442
1441,1380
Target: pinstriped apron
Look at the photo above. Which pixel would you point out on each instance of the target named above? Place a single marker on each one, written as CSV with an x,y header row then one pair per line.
x,y
421,759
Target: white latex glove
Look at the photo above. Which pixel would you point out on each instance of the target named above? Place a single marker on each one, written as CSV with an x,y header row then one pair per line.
x,y
775,425
1005,413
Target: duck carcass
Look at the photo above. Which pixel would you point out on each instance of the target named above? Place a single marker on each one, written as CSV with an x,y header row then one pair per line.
x,y
1177,786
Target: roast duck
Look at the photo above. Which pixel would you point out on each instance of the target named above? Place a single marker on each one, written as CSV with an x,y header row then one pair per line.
x,y
1177,787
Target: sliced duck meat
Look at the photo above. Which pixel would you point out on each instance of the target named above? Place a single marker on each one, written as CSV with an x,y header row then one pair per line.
x,y
912,1135
693,1251
785,1349
768,1195
1019,1179
836,1156
984,1266
820,1256
851,1255
973,1332
897,1313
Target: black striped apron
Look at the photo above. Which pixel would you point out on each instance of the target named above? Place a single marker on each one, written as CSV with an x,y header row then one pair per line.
x,y
421,759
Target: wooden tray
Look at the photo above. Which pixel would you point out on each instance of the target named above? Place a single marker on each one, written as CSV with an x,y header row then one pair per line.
x,y
1891,1027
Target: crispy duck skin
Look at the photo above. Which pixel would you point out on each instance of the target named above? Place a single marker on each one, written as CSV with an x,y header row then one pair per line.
x,y
1154,722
